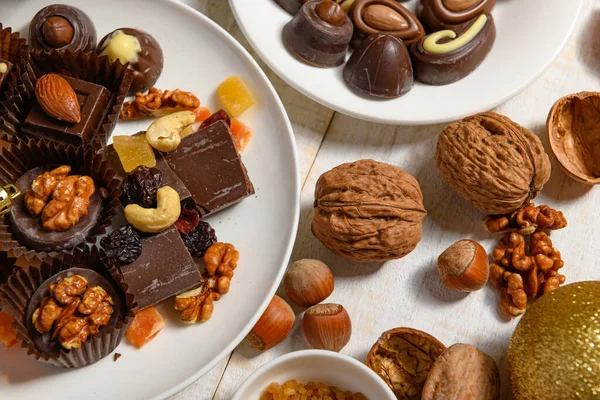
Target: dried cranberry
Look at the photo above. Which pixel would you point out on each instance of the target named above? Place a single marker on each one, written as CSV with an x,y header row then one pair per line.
x,y
141,185
216,117
188,221
123,245
200,239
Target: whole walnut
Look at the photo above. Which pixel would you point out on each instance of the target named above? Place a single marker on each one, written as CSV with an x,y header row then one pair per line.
x,y
368,211
493,162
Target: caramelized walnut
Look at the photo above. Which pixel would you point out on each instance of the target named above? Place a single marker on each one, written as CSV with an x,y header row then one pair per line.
x,y
46,314
74,333
42,187
70,202
68,290
92,299
157,103
527,220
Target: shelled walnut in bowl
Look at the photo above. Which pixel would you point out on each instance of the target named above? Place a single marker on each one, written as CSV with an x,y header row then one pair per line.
x,y
573,128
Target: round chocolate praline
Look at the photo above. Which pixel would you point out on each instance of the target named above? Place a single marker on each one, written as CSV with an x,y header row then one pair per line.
x,y
149,64
29,230
62,27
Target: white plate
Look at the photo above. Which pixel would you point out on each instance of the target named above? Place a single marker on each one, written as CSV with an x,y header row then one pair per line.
x,y
530,34
198,56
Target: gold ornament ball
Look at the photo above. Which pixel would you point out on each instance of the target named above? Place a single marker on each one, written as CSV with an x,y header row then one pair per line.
x,y
554,352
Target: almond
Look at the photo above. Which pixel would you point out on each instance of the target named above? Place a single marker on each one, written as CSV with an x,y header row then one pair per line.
x,y
57,98
384,18
459,5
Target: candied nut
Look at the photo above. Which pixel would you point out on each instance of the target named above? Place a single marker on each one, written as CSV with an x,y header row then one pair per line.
x,y
157,103
74,332
70,202
156,219
92,299
403,357
42,187
100,317
45,315
196,305
527,220
165,133
221,259
68,290
463,372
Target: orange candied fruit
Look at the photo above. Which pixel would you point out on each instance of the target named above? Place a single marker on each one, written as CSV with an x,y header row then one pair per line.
x,y
235,96
8,336
145,326
241,134
293,390
134,151
202,113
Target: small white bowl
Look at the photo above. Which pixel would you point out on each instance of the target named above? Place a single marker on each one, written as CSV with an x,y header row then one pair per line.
x,y
320,366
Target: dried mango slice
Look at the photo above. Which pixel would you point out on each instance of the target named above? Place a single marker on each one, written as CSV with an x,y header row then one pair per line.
x,y
145,326
134,151
241,134
235,96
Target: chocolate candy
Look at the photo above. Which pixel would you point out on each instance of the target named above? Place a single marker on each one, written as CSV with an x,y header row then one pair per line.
x,y
291,6
385,16
93,101
380,67
140,50
5,69
319,34
29,230
440,14
63,27
448,56
164,269
211,168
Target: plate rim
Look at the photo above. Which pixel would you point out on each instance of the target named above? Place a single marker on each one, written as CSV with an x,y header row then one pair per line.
x,y
406,122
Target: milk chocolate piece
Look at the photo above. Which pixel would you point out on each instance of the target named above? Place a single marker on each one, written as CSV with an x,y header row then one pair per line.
x,y
93,101
384,16
319,34
5,70
437,60
441,14
211,168
62,27
29,230
164,269
380,67
148,64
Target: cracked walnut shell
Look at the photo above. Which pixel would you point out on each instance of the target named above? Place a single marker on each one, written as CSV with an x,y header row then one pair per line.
x,y
493,162
573,127
368,211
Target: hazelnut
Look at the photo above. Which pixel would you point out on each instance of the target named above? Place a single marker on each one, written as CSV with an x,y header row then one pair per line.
x,y
327,327
464,266
273,326
57,31
308,282
331,12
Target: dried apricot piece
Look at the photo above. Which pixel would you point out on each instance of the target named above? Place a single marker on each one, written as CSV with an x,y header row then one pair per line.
x,y
134,151
7,334
241,134
235,96
202,113
145,326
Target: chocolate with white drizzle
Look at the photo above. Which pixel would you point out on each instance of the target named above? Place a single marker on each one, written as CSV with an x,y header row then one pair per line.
x,y
441,14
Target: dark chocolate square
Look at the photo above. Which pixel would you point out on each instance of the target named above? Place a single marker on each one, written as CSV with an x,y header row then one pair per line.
x,y
211,168
4,75
164,269
93,100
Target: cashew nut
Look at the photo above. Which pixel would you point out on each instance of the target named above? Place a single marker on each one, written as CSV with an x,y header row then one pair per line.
x,y
165,133
157,219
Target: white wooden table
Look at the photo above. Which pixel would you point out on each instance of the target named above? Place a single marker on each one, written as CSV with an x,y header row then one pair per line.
x,y
408,292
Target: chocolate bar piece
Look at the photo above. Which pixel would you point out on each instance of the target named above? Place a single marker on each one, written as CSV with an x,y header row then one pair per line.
x,y
5,68
164,269
93,100
211,168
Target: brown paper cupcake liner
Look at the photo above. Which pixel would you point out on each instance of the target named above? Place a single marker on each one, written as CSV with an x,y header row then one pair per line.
x,y
88,66
17,159
16,50
16,293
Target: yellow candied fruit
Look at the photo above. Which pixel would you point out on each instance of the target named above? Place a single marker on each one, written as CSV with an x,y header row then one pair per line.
x,y
293,390
134,151
235,96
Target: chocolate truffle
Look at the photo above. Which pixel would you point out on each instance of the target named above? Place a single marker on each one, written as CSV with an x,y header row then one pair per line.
x,y
63,27
140,50
291,6
385,16
440,14
319,34
449,55
29,230
380,67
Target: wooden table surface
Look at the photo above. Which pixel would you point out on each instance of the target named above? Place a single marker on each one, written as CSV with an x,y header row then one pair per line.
x,y
408,292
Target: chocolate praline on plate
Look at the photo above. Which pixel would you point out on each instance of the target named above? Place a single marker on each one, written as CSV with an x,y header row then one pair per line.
x,y
291,6
450,55
439,14
62,27
140,50
319,34
380,67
